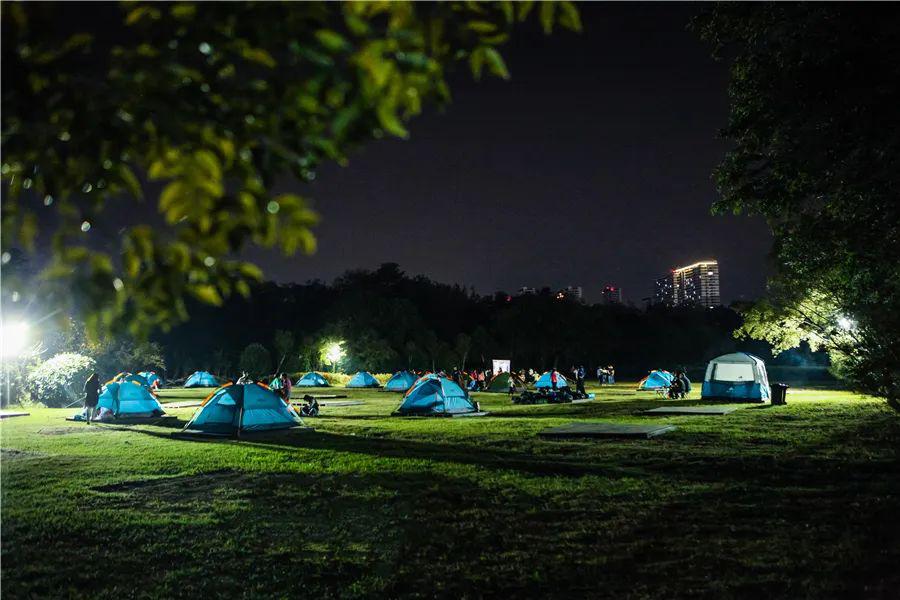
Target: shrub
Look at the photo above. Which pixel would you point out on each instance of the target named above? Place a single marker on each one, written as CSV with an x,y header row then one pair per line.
x,y
336,379
60,380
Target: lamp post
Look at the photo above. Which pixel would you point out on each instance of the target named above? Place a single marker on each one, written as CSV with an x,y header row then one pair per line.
x,y
13,340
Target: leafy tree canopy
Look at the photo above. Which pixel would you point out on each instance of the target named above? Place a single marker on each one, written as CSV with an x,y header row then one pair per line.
x,y
256,360
199,108
815,96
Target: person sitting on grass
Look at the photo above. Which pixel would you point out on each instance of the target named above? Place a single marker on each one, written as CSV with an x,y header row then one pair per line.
x,y
676,389
310,407
681,376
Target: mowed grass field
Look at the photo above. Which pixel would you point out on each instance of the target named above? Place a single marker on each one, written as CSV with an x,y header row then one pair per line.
x,y
799,501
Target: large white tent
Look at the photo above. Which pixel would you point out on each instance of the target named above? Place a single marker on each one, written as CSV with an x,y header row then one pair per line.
x,y
737,376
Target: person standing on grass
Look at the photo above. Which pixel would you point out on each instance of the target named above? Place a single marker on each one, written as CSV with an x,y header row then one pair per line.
x,y
554,378
579,380
91,395
610,375
285,390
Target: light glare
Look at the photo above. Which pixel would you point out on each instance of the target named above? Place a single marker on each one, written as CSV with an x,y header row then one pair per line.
x,y
13,338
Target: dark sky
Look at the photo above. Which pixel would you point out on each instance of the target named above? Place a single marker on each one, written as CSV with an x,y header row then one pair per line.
x,y
592,166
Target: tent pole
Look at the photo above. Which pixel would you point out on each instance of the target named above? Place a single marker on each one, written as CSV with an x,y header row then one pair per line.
x,y
240,415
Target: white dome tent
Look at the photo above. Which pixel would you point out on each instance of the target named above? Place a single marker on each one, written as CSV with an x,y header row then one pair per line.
x,y
737,376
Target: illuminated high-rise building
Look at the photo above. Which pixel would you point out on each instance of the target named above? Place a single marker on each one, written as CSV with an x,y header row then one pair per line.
x,y
692,285
697,284
664,291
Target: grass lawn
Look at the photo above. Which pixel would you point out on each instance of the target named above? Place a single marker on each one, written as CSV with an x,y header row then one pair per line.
x,y
794,501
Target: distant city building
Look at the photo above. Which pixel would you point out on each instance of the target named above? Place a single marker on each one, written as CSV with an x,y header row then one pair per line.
x,y
573,292
693,285
698,284
664,291
525,291
611,295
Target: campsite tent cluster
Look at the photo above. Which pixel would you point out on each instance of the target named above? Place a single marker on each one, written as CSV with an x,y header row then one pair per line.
x,y
234,407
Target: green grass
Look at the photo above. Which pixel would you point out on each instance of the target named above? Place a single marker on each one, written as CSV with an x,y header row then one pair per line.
x,y
793,501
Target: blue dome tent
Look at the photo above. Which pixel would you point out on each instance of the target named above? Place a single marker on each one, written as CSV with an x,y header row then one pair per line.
x,y
656,380
312,379
129,400
152,378
543,383
201,379
236,408
126,377
433,395
738,376
363,379
401,381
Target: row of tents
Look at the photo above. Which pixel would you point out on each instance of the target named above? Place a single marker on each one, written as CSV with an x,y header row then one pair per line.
x,y
233,408
236,408
738,376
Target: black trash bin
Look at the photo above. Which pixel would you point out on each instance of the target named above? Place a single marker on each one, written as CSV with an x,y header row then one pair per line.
x,y
779,393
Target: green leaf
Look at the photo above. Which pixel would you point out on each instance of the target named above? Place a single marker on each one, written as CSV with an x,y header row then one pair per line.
x,y
507,7
259,56
251,271
546,14
130,181
495,63
569,17
389,120
184,11
523,9
142,12
206,293
476,61
332,40
482,26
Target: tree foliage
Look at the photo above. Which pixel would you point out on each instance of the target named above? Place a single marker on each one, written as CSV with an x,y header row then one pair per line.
x,y
199,109
285,348
389,321
815,94
59,381
256,360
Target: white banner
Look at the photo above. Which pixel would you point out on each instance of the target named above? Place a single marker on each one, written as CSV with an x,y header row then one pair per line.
x,y
500,366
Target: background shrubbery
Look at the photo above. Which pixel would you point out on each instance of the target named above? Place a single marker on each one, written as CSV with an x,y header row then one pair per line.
x,y
342,379
59,381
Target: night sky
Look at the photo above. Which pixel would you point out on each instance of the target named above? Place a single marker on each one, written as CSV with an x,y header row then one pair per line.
x,y
592,166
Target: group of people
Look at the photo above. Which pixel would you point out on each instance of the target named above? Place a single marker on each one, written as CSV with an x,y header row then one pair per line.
x,y
606,375
680,386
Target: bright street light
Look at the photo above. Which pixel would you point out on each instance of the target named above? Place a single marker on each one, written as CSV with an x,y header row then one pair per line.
x,y
13,338
334,353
